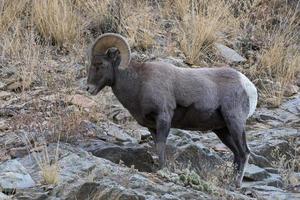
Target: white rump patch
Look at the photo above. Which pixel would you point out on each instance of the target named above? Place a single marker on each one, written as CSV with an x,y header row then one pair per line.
x,y
251,91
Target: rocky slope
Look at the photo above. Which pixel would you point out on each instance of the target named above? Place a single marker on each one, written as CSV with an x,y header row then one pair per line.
x,y
104,154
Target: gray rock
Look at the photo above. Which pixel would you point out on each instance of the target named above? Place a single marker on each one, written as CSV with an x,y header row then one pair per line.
x,y
291,90
116,131
4,95
2,85
292,106
266,148
4,197
255,173
199,158
270,193
175,61
229,54
14,175
274,180
83,175
259,160
137,156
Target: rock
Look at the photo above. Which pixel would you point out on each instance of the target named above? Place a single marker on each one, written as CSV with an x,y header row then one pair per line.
x,y
175,61
292,106
229,54
18,152
267,147
259,160
290,90
2,85
92,190
3,125
4,197
270,193
81,101
221,148
119,114
32,194
83,175
117,132
274,180
14,175
255,173
199,158
4,95
15,86
136,156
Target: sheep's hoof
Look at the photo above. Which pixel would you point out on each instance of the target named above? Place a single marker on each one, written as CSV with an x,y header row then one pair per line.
x,y
238,182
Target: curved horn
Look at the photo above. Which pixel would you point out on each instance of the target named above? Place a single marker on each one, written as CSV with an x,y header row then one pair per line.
x,y
108,40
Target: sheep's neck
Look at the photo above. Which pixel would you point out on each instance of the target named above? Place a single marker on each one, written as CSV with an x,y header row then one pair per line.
x,y
126,87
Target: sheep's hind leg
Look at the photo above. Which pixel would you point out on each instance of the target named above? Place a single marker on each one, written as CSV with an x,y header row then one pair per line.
x,y
236,127
227,139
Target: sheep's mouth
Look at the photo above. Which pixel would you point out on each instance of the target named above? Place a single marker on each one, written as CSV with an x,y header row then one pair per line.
x,y
94,90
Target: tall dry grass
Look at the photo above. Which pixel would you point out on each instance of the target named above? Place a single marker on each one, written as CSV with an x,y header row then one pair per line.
x,y
277,25
31,29
140,27
10,12
199,25
57,21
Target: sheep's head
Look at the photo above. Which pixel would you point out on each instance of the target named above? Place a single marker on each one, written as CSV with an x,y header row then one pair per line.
x,y
104,60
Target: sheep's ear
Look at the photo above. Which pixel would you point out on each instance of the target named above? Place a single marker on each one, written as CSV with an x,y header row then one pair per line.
x,y
113,53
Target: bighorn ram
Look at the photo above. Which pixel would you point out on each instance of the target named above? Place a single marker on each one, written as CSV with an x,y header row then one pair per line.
x,y
161,96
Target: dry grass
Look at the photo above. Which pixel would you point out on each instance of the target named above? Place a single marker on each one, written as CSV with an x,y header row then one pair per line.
x,y
49,169
57,21
30,30
97,15
287,165
140,27
199,25
277,61
279,64
10,12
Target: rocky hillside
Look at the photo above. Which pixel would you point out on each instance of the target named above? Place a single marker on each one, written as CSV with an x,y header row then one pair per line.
x,y
58,142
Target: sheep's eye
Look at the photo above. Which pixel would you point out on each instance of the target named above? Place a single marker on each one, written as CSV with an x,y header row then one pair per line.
x,y
97,67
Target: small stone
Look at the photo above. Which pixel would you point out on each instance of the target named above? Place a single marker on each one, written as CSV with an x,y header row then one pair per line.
x,y
18,152
229,54
81,101
15,86
220,148
2,85
255,173
4,95
290,90
3,125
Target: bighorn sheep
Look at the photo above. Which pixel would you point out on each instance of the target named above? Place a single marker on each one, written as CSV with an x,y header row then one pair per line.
x,y
161,96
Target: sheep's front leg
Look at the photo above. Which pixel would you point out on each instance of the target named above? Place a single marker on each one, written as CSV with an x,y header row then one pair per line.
x,y
163,125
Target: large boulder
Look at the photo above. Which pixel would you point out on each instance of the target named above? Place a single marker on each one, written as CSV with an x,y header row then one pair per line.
x,y
130,155
13,175
229,54
256,173
84,176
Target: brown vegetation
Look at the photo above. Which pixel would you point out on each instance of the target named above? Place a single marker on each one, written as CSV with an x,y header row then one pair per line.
x,y
33,33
